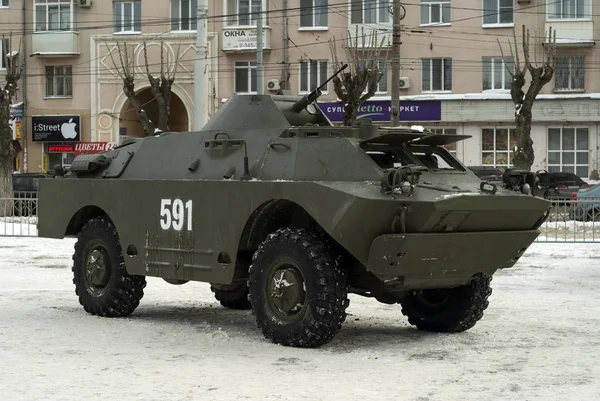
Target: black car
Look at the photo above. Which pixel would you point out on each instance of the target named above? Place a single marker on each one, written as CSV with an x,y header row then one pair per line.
x,y
558,185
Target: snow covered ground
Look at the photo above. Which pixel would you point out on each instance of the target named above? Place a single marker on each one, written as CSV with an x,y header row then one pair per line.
x,y
539,340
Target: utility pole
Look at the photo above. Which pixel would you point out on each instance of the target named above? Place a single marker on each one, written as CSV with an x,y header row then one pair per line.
x,y
201,66
395,117
286,66
259,53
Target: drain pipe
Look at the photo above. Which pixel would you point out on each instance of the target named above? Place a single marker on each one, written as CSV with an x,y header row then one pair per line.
x,y
24,78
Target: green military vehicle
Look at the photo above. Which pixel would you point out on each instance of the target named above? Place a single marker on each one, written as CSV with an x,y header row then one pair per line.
x,y
286,214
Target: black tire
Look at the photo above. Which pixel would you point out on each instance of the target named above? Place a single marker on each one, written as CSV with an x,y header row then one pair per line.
x,y
236,298
312,267
112,292
455,309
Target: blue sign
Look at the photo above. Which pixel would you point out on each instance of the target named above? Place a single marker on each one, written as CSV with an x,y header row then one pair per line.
x,y
380,110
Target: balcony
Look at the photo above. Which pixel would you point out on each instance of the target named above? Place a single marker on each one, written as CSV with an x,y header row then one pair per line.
x,y
55,43
237,39
573,33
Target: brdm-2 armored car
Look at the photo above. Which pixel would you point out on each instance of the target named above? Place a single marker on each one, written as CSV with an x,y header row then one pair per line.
x,y
286,214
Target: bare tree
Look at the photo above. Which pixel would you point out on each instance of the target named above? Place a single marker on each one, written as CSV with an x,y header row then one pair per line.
x,y
14,68
159,86
362,72
523,155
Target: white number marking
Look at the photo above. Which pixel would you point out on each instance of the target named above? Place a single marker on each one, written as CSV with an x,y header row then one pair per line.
x,y
175,217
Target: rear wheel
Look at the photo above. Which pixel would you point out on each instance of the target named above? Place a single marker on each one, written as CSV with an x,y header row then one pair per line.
x,y
448,309
101,281
233,296
297,288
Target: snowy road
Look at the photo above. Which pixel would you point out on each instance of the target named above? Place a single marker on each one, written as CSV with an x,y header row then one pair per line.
x,y
538,340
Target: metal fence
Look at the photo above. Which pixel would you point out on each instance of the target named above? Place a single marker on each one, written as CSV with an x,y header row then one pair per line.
x,y
18,215
569,221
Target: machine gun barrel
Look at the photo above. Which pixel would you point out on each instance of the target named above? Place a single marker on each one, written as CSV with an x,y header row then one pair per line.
x,y
314,95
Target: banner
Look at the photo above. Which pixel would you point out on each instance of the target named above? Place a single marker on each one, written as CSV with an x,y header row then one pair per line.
x,y
381,110
92,147
56,128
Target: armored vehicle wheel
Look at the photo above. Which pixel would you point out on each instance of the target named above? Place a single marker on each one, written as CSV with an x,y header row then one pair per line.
x,y
235,298
298,290
448,309
101,282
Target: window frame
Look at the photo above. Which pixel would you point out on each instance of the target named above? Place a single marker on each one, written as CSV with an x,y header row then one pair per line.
x,y
452,148
314,15
506,77
428,4
136,20
4,45
381,5
497,9
570,60
65,77
587,11
444,60
175,22
233,18
249,65
320,79
509,151
38,4
561,165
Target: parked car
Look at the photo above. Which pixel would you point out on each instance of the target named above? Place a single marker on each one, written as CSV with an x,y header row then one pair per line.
x,y
557,185
25,189
585,204
488,174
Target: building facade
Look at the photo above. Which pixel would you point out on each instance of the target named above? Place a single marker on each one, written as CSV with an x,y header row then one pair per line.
x,y
454,78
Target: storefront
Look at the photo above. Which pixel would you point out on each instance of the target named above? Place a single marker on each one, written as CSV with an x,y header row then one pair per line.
x,y
564,129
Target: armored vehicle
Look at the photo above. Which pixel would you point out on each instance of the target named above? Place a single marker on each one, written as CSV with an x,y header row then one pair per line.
x,y
286,214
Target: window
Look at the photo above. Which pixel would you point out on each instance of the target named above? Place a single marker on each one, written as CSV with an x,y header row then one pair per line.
x,y
59,81
569,9
451,147
312,74
382,84
313,13
495,74
435,12
497,145
436,74
183,15
369,11
127,16
570,73
245,77
568,150
4,49
497,12
54,15
244,12
4,3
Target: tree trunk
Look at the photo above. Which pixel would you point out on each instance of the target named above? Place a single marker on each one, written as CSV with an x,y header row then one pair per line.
x,y
350,111
7,155
524,156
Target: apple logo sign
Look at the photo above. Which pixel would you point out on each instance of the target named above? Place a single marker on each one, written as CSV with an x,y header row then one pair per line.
x,y
68,129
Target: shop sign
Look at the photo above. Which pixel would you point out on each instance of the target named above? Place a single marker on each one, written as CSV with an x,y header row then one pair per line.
x,y
381,110
242,38
17,130
92,147
63,128
16,110
60,148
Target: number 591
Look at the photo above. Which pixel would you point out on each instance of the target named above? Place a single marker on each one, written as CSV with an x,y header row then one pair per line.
x,y
175,216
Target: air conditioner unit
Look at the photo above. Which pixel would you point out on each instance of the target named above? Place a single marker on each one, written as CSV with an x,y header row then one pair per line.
x,y
404,82
85,3
273,84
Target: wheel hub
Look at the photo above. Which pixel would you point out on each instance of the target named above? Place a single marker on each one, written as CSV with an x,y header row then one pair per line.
x,y
97,268
287,290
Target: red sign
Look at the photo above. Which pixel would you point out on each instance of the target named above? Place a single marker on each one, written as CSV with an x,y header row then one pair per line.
x,y
60,148
92,147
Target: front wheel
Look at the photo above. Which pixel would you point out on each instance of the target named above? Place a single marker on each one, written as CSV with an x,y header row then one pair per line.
x,y
448,310
101,281
297,288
